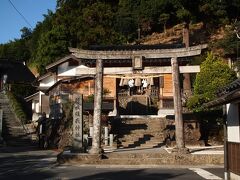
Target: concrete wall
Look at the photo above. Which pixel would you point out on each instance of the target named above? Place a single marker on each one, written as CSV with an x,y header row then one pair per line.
x,y
233,129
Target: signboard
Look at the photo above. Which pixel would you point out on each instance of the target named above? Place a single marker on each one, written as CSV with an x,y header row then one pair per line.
x,y
137,62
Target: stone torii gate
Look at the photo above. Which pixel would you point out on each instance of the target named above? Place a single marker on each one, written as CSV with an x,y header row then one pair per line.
x,y
101,55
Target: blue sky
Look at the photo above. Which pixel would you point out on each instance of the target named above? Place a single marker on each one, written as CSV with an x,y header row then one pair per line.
x,y
12,22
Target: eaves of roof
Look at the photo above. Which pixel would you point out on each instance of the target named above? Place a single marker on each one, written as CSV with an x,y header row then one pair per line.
x,y
68,80
60,61
232,96
29,98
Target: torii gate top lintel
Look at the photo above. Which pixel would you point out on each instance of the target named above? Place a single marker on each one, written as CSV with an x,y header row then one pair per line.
x,y
129,54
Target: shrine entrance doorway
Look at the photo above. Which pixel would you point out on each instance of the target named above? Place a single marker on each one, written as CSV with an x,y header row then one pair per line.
x,y
138,96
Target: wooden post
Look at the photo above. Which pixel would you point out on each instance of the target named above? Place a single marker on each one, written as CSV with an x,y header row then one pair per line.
x,y
78,125
96,141
177,104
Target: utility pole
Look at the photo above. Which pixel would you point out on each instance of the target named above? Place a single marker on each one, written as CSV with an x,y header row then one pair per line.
x,y
96,141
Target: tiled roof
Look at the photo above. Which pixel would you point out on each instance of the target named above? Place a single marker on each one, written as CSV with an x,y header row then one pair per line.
x,y
60,61
226,95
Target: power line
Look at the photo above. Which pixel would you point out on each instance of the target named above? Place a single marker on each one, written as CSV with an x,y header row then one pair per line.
x,y
20,13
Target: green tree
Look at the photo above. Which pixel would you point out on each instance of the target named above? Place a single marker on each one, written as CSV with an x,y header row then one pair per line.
x,y
214,74
52,45
213,13
97,23
163,19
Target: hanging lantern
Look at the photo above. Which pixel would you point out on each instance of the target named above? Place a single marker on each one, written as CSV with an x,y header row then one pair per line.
x,y
125,81
131,83
121,82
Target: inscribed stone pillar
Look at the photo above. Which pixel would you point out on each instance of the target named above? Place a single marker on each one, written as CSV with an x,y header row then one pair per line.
x,y
78,124
177,104
1,119
96,141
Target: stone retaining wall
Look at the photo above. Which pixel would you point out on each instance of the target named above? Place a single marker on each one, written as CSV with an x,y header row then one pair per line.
x,y
141,159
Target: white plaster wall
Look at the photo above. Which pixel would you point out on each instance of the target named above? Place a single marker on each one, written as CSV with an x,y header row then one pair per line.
x,y
70,71
37,108
66,70
47,82
233,129
35,117
34,106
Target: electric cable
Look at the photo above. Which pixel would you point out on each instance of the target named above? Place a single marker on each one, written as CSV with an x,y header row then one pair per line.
x,y
20,13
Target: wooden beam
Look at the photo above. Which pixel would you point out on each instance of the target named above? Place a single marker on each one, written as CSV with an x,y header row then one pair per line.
x,y
129,70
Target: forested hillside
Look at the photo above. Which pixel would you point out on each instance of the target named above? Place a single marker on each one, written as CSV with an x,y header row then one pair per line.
x,y
80,23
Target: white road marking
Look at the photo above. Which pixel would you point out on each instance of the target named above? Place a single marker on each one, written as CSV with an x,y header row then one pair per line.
x,y
205,174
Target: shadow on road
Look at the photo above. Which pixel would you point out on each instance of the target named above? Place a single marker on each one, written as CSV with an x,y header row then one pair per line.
x,y
18,166
130,175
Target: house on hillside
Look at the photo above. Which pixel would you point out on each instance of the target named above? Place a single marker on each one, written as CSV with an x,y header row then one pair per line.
x,y
230,96
14,72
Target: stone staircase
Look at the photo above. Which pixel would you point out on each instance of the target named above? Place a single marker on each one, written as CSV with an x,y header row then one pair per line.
x,y
14,133
141,132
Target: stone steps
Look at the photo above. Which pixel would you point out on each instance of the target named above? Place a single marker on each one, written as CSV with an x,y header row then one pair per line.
x,y
141,132
13,131
136,138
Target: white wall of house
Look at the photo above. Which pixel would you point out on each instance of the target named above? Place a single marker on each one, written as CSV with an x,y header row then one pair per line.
x,y
36,107
233,126
66,70
71,70
47,82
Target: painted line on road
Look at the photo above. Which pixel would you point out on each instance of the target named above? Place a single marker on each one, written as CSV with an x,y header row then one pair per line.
x,y
205,174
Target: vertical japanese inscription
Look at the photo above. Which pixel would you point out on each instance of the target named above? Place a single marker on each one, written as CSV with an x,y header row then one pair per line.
x,y
1,119
78,123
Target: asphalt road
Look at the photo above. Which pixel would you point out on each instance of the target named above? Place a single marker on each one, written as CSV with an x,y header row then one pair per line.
x,y
37,164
